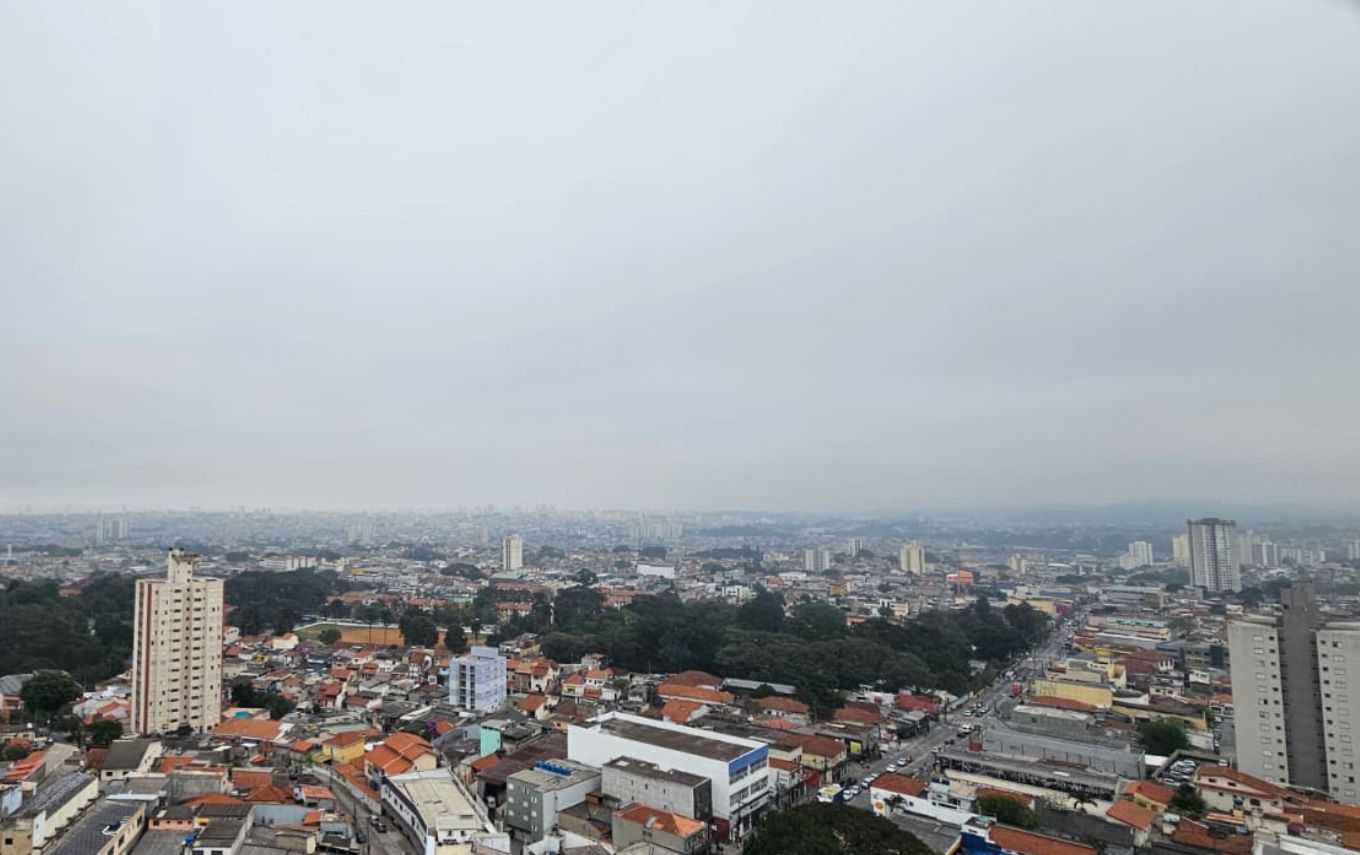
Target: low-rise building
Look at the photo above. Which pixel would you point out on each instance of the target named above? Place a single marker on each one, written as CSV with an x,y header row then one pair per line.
x,y
676,833
437,815
533,797
628,780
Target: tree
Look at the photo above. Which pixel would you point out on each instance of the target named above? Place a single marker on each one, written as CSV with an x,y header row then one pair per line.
x,y
47,692
830,829
1163,737
764,613
817,621
463,569
1008,811
586,577
455,640
418,629
1188,802
104,730
330,635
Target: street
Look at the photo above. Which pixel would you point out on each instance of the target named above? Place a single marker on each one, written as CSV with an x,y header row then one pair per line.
x,y
919,748
388,843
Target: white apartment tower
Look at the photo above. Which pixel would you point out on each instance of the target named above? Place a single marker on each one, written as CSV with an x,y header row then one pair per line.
x,y
177,650
912,559
1139,555
512,552
477,680
1214,564
1180,550
817,560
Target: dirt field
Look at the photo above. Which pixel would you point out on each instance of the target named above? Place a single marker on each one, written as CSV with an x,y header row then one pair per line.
x,y
379,635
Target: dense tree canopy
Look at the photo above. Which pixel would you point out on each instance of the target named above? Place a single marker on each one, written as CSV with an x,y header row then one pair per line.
x,y
88,635
1163,737
47,693
418,629
277,601
827,829
1007,810
811,647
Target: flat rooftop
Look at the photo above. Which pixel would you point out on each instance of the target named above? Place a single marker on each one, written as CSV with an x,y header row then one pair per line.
x,y
93,831
633,766
545,780
440,801
688,741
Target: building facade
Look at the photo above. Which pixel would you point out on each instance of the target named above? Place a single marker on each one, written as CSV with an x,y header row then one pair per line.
x,y
477,680
512,552
533,797
1214,562
1277,693
912,559
737,769
177,650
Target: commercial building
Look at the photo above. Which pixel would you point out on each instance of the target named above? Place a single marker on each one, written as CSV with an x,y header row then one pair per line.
x,y
177,650
736,768
437,815
1214,562
912,558
628,780
477,680
533,797
512,552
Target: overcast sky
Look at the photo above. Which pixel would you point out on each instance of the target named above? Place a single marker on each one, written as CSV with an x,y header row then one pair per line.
x,y
733,254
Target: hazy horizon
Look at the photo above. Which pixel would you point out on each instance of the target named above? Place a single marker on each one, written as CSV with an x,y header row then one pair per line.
x,y
784,257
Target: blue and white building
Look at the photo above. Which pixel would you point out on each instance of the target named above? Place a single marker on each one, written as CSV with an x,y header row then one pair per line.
x,y
737,768
477,680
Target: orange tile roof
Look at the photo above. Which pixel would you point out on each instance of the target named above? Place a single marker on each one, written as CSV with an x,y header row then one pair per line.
x,y
249,728
1191,833
778,724
1060,703
1151,790
698,679
270,795
1132,813
775,703
355,776
249,779
693,693
680,712
661,820
901,784
532,703
1032,843
211,799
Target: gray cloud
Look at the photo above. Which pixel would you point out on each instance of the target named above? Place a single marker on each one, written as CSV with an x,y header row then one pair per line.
x,y
857,255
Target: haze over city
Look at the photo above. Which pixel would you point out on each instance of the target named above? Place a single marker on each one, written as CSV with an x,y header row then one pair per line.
x,y
793,256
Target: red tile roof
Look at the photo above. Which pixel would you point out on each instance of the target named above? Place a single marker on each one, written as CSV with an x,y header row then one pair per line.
x,y
1191,833
661,820
1151,790
901,784
1032,843
776,703
698,679
694,693
1132,813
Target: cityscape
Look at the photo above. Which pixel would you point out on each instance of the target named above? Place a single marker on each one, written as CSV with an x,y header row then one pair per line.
x,y
679,428
495,681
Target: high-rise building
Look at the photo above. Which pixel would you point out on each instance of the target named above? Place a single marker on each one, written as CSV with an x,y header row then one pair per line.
x,y
177,650
1139,555
512,552
1214,565
853,546
1180,550
1266,553
817,560
477,680
912,558
1278,695
1353,550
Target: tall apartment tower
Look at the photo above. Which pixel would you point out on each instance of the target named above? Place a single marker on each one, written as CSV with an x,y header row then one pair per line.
x,y
1214,564
912,559
1180,549
1279,699
512,552
177,650
817,560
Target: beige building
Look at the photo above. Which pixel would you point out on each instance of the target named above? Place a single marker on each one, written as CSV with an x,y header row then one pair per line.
x,y
177,650
512,552
912,559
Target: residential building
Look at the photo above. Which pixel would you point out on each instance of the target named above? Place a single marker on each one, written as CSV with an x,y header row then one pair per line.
x,y
1353,550
1214,563
817,560
1338,650
736,767
512,552
1266,554
1180,550
477,680
177,650
533,797
1139,555
912,559
672,831
1277,693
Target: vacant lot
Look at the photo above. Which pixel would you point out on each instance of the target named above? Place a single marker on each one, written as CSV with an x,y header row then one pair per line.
x,y
379,635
